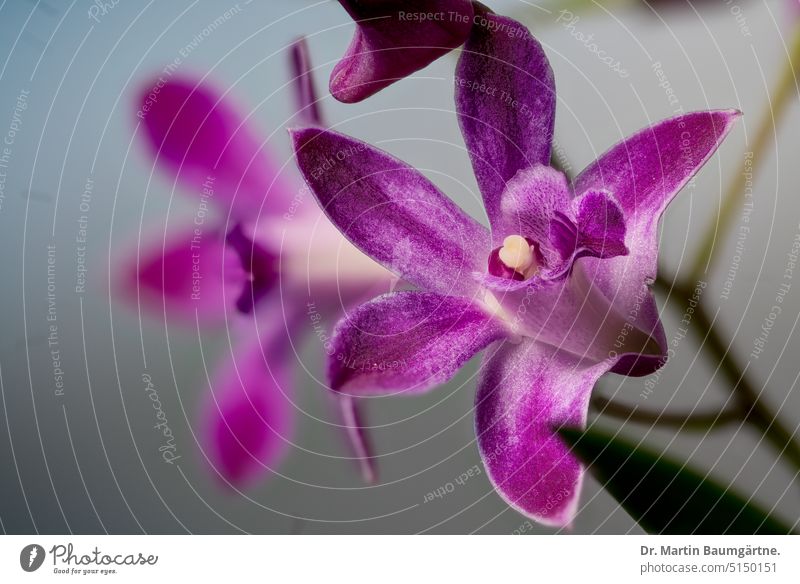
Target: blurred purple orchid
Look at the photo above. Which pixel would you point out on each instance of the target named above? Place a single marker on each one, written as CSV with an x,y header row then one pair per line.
x,y
395,38
264,257
558,291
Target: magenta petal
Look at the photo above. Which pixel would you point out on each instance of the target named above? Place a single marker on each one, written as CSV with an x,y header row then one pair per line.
x,y
392,41
407,342
506,101
644,173
186,278
392,212
200,137
249,413
527,390
601,226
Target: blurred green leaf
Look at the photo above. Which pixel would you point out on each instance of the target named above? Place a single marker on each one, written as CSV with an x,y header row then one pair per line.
x,y
663,496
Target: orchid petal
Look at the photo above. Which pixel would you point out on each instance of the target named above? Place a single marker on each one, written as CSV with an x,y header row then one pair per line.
x,y
392,212
506,101
408,342
526,391
601,226
249,414
202,139
186,278
644,173
392,41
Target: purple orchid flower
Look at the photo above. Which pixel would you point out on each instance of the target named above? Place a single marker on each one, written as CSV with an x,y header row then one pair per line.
x,y
558,291
395,38
246,268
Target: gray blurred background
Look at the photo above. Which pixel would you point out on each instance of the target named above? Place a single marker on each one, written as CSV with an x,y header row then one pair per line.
x,y
87,461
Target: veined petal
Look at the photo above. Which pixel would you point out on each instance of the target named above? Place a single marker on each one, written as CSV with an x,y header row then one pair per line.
x,y
644,173
249,414
395,38
201,138
408,342
506,103
525,392
601,226
392,212
185,276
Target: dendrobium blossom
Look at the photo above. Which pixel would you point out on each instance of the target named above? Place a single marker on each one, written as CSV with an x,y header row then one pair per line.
x,y
395,38
557,292
253,266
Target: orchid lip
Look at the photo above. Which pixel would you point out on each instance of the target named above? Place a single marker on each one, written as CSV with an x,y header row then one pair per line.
x,y
594,329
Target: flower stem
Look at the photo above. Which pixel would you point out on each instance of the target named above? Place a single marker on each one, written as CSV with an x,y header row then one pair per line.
x,y
780,98
748,398
680,420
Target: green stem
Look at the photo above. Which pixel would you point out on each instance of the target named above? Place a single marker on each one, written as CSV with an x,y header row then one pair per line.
x,y
732,200
680,420
748,398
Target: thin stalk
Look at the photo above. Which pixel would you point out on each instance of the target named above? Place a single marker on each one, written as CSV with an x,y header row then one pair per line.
x,y
780,98
680,420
